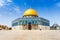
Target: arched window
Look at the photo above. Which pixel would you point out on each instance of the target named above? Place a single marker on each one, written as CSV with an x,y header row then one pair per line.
x,y
25,22
33,22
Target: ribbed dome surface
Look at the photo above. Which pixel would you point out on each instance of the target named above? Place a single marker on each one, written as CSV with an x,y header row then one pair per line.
x,y
30,12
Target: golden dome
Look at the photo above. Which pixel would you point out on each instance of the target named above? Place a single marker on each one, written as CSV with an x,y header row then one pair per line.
x,y
30,12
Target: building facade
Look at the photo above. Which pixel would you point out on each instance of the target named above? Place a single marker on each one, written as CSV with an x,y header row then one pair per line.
x,y
30,21
55,27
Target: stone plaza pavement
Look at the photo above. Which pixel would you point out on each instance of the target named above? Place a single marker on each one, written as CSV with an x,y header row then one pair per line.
x,y
30,35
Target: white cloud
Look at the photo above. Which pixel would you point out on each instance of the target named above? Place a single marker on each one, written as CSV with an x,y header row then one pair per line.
x,y
4,2
9,0
8,12
17,9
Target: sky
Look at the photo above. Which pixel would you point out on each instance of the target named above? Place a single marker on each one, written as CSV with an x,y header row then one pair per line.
x,y
13,9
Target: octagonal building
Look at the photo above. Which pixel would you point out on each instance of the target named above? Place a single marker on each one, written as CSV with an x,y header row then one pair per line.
x,y
30,21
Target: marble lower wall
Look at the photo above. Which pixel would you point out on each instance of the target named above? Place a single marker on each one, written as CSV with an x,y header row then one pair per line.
x,y
41,27
33,27
17,27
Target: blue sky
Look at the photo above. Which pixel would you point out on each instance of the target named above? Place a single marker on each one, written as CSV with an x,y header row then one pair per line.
x,y
12,9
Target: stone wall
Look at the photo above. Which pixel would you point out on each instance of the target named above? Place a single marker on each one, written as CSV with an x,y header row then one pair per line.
x,y
41,27
33,27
